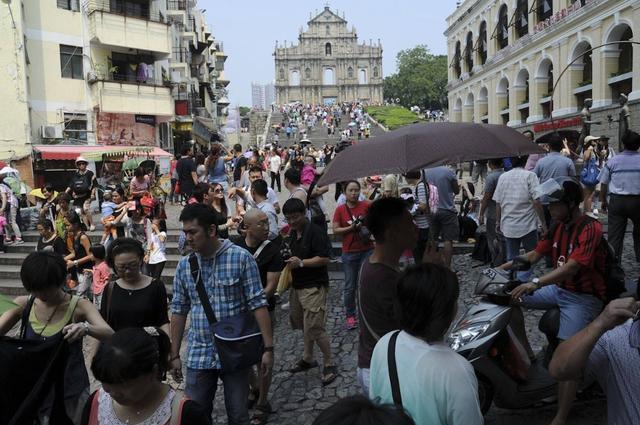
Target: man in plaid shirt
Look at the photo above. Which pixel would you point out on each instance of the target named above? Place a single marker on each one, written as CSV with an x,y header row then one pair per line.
x,y
232,282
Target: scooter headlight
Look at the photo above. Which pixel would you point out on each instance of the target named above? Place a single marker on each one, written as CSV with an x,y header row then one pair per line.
x,y
465,334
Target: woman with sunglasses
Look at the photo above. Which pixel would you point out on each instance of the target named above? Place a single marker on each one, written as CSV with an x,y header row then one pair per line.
x,y
134,299
217,201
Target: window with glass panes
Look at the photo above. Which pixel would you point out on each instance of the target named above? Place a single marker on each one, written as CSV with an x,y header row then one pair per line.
x,y
71,62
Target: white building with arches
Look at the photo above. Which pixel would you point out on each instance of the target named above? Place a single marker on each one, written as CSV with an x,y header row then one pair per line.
x,y
328,65
506,57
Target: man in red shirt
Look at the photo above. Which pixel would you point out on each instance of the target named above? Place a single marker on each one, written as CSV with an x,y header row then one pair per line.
x,y
576,285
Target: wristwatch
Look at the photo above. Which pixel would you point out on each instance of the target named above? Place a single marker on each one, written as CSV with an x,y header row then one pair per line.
x,y
85,324
268,349
536,281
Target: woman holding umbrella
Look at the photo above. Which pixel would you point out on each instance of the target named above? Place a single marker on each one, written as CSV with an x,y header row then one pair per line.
x,y
47,197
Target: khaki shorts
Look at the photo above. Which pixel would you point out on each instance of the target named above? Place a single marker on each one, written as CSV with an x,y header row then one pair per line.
x,y
308,310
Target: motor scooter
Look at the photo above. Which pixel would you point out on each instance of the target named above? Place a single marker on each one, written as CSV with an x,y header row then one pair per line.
x,y
485,336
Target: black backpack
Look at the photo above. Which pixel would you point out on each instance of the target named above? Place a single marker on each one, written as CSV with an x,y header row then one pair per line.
x,y
81,183
613,272
317,215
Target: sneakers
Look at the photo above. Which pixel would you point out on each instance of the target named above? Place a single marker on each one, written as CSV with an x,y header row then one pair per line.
x,y
352,323
18,241
92,228
8,242
285,306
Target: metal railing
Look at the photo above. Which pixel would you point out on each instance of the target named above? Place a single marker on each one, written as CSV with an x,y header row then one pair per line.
x,y
127,9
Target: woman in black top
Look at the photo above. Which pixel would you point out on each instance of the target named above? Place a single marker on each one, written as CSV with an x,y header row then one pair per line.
x,y
217,201
117,197
49,239
80,259
130,366
134,299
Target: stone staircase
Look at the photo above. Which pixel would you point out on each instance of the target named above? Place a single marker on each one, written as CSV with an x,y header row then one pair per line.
x,y
11,261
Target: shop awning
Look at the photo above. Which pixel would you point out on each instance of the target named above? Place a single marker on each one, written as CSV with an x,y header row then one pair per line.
x,y
95,153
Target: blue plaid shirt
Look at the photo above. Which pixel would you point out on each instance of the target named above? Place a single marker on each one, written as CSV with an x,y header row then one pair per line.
x,y
232,281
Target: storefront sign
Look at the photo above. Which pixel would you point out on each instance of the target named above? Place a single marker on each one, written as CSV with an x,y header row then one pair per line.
x,y
146,119
125,129
554,125
560,15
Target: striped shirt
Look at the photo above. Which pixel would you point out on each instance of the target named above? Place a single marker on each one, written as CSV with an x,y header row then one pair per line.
x,y
622,173
515,194
232,281
422,220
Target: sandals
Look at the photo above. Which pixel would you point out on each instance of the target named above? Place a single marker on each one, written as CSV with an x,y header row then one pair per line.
x,y
302,366
261,414
329,374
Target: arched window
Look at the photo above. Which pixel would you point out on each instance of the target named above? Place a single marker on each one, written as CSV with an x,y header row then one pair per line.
x,y
522,18
281,74
362,76
295,78
503,28
327,49
545,9
327,30
350,72
307,73
456,61
468,52
482,43
328,79
376,73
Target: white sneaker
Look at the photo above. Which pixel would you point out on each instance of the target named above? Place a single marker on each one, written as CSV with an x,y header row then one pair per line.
x,y
285,306
92,228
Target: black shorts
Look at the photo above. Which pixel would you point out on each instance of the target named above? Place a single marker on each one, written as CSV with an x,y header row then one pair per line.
x,y
444,223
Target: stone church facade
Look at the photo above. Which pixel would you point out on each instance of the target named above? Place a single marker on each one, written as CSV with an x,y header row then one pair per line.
x,y
328,65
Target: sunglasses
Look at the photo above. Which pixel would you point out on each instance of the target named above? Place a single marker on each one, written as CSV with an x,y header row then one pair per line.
x,y
217,191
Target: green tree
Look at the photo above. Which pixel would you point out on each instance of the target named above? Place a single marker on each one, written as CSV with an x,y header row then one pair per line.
x,y
244,110
421,79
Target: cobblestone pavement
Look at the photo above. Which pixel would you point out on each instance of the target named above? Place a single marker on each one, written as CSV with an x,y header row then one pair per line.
x,y
298,398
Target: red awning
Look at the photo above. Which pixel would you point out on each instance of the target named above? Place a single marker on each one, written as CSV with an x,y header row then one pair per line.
x,y
68,152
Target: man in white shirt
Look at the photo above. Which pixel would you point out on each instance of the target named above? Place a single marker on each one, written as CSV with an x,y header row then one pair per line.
x,y
518,212
275,163
243,195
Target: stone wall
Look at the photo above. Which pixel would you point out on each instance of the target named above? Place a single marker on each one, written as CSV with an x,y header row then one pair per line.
x,y
257,121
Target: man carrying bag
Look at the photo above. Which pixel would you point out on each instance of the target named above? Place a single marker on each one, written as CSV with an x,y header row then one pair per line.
x,y
230,328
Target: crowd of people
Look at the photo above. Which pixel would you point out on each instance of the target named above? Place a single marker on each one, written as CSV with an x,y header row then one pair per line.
x,y
242,252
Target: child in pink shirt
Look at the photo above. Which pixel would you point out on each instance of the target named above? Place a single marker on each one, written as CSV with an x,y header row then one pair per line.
x,y
101,273
308,174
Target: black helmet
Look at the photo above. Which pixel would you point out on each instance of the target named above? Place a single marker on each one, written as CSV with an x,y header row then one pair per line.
x,y
560,189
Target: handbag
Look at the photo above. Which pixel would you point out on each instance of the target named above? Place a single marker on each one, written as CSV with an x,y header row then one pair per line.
x,y
237,338
589,174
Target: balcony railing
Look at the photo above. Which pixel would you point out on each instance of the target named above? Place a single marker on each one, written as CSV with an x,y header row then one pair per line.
x,y
129,9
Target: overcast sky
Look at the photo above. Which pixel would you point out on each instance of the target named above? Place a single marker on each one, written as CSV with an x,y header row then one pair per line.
x,y
249,30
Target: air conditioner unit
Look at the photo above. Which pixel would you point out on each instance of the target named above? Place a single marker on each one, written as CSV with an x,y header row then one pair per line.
x,y
51,132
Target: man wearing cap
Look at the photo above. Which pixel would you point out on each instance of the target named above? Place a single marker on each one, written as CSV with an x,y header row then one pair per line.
x,y
83,190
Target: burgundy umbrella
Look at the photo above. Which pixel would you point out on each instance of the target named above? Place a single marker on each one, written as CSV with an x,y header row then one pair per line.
x,y
426,145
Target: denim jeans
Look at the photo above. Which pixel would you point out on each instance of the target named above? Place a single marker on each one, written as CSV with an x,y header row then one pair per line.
x,y
529,242
351,263
201,385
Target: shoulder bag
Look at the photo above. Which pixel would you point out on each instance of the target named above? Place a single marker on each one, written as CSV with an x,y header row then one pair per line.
x,y
237,338
393,370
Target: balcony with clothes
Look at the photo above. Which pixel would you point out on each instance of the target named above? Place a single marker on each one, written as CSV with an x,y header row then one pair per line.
x,y
134,84
134,24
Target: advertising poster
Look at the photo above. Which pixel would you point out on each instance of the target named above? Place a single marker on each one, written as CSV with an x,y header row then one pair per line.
x,y
126,129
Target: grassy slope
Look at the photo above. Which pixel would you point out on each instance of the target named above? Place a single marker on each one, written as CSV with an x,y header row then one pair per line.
x,y
392,117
